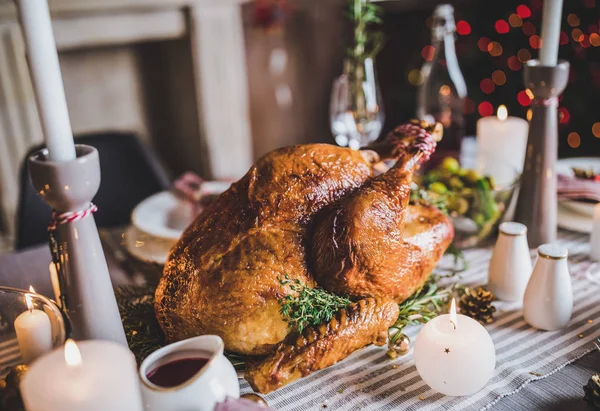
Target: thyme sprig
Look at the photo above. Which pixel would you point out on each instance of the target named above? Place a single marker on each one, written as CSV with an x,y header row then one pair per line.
x,y
425,304
306,306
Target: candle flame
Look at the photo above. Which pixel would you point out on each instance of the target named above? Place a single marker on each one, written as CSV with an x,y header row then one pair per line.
x,y
72,354
502,112
453,319
28,300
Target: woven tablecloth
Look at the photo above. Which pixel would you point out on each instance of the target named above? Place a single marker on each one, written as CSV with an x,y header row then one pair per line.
x,y
367,380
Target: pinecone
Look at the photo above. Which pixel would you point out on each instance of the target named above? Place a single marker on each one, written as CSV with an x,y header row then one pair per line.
x,y
477,304
592,391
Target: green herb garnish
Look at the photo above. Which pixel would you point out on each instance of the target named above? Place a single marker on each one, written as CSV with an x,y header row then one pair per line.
x,y
308,306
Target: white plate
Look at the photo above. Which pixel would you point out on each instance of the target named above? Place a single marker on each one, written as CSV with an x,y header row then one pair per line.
x,y
564,167
573,221
159,221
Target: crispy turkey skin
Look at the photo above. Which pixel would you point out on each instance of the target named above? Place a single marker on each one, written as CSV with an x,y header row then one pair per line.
x,y
315,213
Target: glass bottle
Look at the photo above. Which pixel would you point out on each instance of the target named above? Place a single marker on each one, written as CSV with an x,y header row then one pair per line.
x,y
442,94
356,108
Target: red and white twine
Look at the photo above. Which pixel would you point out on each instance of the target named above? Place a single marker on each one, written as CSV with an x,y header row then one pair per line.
x,y
424,141
70,216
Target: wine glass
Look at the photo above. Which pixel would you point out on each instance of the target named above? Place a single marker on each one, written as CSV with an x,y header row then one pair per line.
x,y
356,109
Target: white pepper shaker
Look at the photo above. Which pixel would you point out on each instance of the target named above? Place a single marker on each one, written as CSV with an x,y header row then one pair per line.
x,y
548,302
510,266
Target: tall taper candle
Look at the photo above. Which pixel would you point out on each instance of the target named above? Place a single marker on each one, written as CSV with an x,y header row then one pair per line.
x,y
47,80
551,16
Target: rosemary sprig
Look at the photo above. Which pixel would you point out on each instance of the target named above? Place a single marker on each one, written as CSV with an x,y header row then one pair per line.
x,y
365,17
308,306
428,302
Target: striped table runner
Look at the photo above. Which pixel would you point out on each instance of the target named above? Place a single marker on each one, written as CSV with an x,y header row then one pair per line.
x,y
367,380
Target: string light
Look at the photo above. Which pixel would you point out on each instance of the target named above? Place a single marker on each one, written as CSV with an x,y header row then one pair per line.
x,y
463,28
529,93
495,49
487,86
485,109
584,40
596,130
528,28
502,26
499,78
563,115
415,77
514,64
529,114
524,55
483,43
427,52
573,20
523,11
595,39
573,139
535,41
576,34
515,20
523,98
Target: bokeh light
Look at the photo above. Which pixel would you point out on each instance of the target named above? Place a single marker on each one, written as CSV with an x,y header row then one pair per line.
x,y
495,49
576,34
563,115
535,41
445,90
485,109
584,40
596,130
529,93
483,43
564,38
469,106
529,114
427,52
463,28
487,86
502,26
514,64
528,28
515,21
524,55
595,39
573,20
523,11
573,139
523,98
415,77
590,4
499,78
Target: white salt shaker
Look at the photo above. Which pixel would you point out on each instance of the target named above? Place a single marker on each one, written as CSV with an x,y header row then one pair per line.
x,y
595,238
548,301
510,266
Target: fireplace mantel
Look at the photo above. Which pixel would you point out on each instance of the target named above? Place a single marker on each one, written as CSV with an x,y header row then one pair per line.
x,y
214,29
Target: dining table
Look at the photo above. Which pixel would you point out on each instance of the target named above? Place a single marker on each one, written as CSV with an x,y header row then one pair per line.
x,y
558,387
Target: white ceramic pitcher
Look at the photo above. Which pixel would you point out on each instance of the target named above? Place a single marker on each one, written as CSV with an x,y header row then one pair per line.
x,y
214,382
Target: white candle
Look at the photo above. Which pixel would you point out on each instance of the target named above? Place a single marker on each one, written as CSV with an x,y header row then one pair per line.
x,y
34,332
551,17
595,238
454,354
47,80
501,145
96,376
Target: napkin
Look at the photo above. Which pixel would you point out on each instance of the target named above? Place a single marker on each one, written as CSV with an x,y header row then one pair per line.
x,y
573,188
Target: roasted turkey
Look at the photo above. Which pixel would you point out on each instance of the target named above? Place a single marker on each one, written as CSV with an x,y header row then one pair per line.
x,y
316,213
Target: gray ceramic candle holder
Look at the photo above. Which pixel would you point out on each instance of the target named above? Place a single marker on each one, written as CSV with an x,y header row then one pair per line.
x,y
537,204
86,289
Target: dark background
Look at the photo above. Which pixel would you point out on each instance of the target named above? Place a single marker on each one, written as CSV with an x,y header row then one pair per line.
x,y
407,32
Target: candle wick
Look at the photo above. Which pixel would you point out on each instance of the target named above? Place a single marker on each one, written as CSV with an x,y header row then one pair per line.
x,y
453,324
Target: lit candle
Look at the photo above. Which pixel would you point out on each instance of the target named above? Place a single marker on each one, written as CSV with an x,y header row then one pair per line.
x,y
551,16
34,331
94,376
501,144
47,80
595,239
454,354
